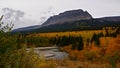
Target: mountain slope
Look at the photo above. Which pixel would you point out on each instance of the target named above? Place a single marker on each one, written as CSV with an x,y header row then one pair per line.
x,y
71,21
112,18
92,24
68,16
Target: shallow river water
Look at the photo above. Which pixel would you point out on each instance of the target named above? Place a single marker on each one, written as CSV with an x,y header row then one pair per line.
x,y
50,52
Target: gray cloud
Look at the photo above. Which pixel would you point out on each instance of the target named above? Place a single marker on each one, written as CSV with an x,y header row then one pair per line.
x,y
43,19
11,13
49,10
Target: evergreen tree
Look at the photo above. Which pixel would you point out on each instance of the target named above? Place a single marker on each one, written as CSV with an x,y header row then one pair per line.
x,y
81,44
106,31
118,30
97,41
95,38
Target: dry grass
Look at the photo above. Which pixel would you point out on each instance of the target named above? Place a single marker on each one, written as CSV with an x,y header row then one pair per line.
x,y
72,33
82,64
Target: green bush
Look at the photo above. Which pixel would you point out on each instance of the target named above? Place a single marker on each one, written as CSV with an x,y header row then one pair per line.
x,y
13,54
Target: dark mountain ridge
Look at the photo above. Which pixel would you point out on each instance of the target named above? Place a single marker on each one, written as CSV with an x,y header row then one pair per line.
x,y
74,20
111,18
68,16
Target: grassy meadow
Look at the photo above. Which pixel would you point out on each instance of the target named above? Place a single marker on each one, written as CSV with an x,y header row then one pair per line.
x,y
85,34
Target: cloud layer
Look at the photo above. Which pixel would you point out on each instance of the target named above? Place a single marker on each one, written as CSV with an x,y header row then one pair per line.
x,y
12,14
21,19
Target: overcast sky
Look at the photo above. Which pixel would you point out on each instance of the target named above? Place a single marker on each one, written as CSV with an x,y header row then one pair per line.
x,y
33,12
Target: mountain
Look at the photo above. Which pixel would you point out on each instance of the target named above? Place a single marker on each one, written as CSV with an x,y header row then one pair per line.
x,y
73,20
68,16
112,18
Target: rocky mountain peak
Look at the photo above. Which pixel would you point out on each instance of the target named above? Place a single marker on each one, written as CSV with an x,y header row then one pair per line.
x,y
67,16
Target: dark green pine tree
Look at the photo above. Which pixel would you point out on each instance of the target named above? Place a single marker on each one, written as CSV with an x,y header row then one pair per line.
x,y
95,38
97,41
81,44
107,33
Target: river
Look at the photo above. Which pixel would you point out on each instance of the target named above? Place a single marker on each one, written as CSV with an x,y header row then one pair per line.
x,y
50,52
